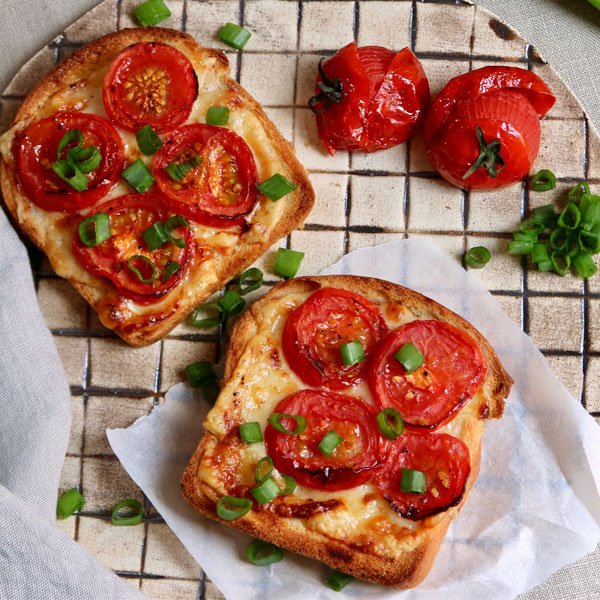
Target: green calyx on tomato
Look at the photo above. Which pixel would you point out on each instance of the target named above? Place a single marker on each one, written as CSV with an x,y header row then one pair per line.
x,y
331,90
489,156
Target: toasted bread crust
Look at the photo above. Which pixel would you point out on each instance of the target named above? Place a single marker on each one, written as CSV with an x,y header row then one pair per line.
x,y
415,562
76,68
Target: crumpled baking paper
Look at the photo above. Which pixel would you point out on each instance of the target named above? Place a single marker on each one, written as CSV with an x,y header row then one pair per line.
x,y
534,508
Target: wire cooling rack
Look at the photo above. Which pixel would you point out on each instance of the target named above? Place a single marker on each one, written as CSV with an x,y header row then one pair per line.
x,y
361,200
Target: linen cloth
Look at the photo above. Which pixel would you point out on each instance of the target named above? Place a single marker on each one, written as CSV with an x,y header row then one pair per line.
x,y
37,561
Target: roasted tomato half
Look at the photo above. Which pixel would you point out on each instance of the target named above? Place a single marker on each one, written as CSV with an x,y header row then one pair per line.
x,y
442,458
36,149
369,98
349,464
150,83
220,186
453,369
314,331
139,273
483,129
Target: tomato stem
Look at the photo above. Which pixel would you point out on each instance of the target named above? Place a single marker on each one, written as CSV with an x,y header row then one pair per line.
x,y
331,91
489,157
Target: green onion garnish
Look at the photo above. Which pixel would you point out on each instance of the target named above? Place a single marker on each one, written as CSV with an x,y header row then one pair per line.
x,y
559,239
589,207
147,263
539,253
199,372
210,390
390,423
230,508
576,192
94,230
202,318
148,140
73,135
530,227
151,13
263,469
217,115
173,223
250,432
570,217
545,266
155,236
138,176
330,441
250,280
287,262
300,423
543,181
177,171
85,159
352,353
477,257
290,484
545,215
589,241
412,481
561,263
69,503
127,512
584,265
276,187
517,247
337,581
266,490
170,270
231,303
233,35
261,553
70,174
409,357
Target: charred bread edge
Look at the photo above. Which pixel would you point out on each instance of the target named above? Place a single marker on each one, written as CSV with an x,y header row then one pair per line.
x,y
91,57
358,562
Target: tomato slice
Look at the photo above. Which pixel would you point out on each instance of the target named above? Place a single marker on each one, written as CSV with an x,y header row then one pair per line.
x,y
315,330
452,371
222,188
130,216
443,459
383,97
350,464
150,83
483,81
36,149
501,115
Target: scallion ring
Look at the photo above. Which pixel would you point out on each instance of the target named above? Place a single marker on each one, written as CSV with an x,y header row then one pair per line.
x,y
148,140
266,490
170,270
300,423
94,229
409,357
147,263
545,215
233,35
390,423
290,484
262,553
127,512
520,247
543,181
561,263
151,13
85,159
217,115
69,503
263,469
177,171
208,315
250,433
287,262
351,353
539,253
70,174
413,481
173,223
138,176
329,442
155,236
570,217
250,280
477,257
584,265
337,580
198,372
72,136
230,508
577,191
276,187
231,303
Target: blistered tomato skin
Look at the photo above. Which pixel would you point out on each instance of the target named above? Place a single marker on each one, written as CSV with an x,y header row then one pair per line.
x,y
377,101
483,130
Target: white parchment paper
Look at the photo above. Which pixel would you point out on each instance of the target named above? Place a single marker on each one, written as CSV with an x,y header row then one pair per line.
x,y
534,508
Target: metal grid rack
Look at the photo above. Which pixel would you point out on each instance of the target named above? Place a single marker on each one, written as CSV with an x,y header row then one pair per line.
x,y
361,200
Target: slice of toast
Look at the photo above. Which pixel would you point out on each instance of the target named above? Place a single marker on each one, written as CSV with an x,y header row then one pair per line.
x,y
76,84
355,530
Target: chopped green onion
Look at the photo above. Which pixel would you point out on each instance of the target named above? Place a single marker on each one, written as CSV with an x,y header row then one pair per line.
x,y
337,580
539,253
250,432
171,224
543,181
559,239
85,159
570,217
589,207
94,230
148,140
255,278
266,490
409,357
170,270
300,423
217,115
584,265
210,390
561,263
477,257
177,171
589,241
230,508
73,135
545,266
522,236
329,442
290,484
127,512
206,322
69,503
545,215
70,174
390,423
352,353
136,271
138,176
287,262
531,226
233,35
576,192
231,303
276,187
263,469
518,247
197,373
151,13
155,236
412,481
261,553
